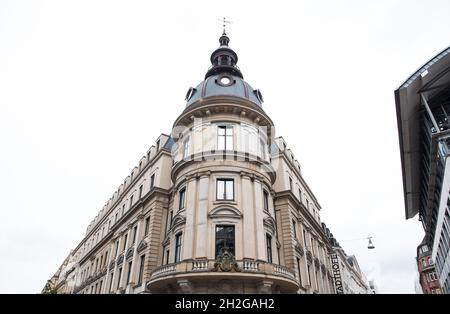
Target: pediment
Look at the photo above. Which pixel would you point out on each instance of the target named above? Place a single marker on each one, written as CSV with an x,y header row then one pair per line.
x,y
270,224
178,220
225,212
142,245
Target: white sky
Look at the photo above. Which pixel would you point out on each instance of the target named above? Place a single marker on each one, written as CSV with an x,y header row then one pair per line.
x,y
87,86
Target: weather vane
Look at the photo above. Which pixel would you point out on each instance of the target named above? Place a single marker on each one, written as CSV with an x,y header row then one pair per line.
x,y
224,20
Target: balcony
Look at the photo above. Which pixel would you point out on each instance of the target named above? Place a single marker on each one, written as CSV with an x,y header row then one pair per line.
x,y
204,270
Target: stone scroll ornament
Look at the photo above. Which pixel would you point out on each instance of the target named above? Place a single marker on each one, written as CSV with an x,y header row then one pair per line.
x,y
226,262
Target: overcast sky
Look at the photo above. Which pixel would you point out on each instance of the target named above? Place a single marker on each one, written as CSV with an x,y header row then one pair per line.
x,y
86,87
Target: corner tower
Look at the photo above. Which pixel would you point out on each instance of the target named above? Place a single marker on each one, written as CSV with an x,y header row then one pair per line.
x,y
221,234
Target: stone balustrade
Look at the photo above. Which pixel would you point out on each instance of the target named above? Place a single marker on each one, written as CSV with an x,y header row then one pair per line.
x,y
204,265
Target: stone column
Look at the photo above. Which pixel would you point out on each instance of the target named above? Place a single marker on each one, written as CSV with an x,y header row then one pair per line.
x,y
201,237
124,263
116,254
189,228
260,235
135,257
248,231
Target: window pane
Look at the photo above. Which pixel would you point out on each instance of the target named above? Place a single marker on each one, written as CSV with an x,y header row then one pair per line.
x,y
229,143
229,130
229,189
220,189
224,238
182,199
221,130
221,142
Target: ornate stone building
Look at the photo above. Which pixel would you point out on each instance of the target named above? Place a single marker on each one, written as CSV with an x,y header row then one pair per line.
x,y
218,206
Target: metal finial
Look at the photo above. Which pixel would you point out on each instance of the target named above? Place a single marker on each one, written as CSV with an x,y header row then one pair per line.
x,y
224,20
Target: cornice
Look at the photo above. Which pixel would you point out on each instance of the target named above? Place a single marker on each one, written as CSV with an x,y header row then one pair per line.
x,y
155,191
287,194
216,104
225,155
162,151
282,154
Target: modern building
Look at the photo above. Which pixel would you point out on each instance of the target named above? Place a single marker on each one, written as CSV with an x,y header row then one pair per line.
x,y
219,205
423,108
427,273
347,275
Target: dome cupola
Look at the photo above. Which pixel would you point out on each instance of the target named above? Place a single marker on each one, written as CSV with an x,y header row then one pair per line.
x,y
224,59
223,78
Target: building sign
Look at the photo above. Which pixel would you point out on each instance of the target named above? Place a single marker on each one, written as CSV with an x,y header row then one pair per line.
x,y
336,274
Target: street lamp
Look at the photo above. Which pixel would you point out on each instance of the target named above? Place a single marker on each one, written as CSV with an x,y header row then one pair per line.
x,y
370,246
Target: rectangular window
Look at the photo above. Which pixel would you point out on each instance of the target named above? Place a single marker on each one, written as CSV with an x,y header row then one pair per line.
x,y
178,247
304,238
294,227
152,181
225,137
117,247
134,234
118,279
106,258
130,265
299,271
182,199
111,282
125,242
157,145
187,147
141,269
140,191
309,275
100,286
290,183
300,195
131,200
266,200
224,239
225,189
262,148
167,256
269,248
147,224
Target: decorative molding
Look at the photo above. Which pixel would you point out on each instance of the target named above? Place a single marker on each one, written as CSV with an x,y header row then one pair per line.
x,y
142,245
166,240
270,224
120,259
178,220
225,211
299,248
309,256
226,262
316,261
130,253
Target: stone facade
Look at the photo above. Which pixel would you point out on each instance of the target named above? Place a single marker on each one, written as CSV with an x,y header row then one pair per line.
x,y
218,206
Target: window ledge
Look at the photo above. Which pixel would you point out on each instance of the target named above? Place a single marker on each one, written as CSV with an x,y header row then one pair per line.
x,y
221,202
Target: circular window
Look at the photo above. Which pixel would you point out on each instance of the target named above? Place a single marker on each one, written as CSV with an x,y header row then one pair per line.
x,y
225,80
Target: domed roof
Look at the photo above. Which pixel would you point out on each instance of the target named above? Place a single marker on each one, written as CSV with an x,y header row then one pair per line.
x,y
224,84
224,78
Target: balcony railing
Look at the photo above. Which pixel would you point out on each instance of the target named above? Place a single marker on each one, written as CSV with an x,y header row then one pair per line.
x,y
204,265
